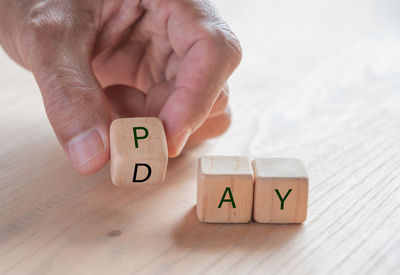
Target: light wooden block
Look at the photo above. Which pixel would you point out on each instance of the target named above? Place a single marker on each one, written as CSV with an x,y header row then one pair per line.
x,y
224,189
139,152
275,176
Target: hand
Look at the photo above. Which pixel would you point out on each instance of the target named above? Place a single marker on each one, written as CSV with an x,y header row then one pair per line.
x,y
95,60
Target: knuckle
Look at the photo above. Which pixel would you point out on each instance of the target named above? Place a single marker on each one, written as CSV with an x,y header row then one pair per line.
x,y
180,7
206,103
61,106
211,27
222,101
222,37
65,78
237,52
200,103
230,43
57,20
64,94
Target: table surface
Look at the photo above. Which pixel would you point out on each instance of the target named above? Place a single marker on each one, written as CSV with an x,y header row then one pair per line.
x,y
320,81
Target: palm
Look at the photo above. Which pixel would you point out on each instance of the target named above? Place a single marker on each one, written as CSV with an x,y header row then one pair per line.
x,y
138,61
141,58
170,61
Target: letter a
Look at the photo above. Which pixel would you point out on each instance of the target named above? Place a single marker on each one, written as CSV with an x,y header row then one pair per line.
x,y
231,200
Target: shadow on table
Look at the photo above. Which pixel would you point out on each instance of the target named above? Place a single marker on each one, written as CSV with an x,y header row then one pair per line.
x,y
192,234
86,210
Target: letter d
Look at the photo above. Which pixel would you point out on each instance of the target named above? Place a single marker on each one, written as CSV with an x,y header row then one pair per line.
x,y
136,171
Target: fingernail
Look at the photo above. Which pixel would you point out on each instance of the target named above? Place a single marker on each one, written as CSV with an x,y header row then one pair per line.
x,y
180,141
84,147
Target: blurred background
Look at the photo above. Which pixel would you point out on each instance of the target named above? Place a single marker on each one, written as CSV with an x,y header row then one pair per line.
x,y
311,58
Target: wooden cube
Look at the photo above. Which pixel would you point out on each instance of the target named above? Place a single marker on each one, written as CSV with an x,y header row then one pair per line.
x,y
224,189
139,152
280,190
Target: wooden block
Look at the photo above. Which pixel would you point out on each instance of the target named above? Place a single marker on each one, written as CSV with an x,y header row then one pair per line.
x,y
139,152
280,190
224,189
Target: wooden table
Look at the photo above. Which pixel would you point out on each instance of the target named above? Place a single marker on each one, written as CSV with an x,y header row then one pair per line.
x,y
320,81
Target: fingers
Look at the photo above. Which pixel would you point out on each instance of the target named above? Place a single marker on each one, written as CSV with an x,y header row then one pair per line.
x,y
126,101
75,106
221,104
212,127
59,39
210,53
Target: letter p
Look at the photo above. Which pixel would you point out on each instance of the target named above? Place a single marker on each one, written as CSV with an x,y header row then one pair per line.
x,y
137,137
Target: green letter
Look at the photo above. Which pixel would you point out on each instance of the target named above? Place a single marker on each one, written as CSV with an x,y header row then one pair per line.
x,y
280,197
227,190
136,137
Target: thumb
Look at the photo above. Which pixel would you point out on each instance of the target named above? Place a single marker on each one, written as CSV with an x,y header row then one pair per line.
x,y
76,107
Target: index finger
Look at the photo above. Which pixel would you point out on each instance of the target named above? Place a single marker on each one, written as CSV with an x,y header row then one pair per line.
x,y
210,52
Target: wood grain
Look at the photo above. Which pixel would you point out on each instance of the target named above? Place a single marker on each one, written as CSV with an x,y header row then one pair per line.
x,y
280,190
319,81
225,189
